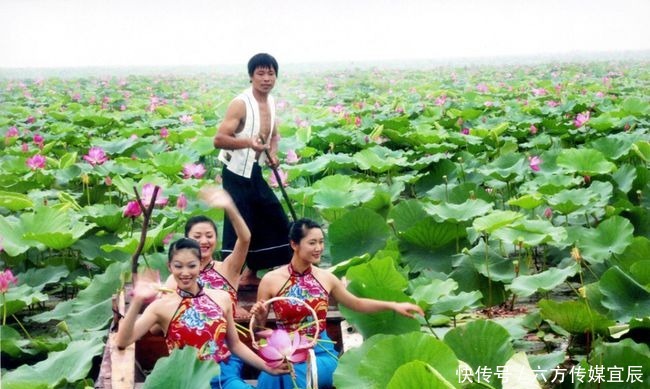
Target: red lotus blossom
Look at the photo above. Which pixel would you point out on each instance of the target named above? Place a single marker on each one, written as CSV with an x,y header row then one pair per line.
x,y
38,140
147,194
552,103
440,100
164,132
193,170
181,202
581,119
539,91
282,347
357,121
283,177
533,129
6,279
108,181
24,148
534,162
96,156
36,162
132,210
465,131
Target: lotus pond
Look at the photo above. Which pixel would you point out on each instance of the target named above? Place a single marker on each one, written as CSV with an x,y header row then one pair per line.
x,y
512,203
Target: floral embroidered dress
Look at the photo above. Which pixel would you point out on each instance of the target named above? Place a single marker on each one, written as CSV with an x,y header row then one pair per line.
x,y
292,315
199,322
212,279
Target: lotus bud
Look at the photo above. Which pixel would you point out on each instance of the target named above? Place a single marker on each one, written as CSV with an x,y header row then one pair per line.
x,y
515,264
575,254
472,195
85,179
445,179
582,292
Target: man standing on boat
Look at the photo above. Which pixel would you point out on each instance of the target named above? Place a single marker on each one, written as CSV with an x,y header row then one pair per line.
x,y
245,136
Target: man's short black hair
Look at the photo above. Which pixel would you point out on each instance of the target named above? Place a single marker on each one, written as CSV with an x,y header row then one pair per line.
x,y
262,60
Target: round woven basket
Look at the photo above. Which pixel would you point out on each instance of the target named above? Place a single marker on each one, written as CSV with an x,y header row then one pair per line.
x,y
251,325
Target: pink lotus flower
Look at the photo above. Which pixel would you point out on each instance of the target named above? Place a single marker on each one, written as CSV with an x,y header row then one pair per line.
x,y
193,170
132,210
465,131
548,213
600,94
482,88
440,100
185,95
539,92
181,202
282,347
38,139
552,103
6,279
147,194
164,132
186,119
12,132
534,162
168,238
338,108
291,157
533,129
357,121
108,181
36,162
30,120
283,178
96,156
581,119
24,148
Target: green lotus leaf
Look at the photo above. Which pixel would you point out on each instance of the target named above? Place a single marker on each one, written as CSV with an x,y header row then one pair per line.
x,y
642,149
530,233
12,232
107,216
586,162
624,177
430,235
612,147
635,106
379,159
496,267
481,343
378,279
456,213
88,311
165,374
545,363
505,168
495,220
574,316
641,272
519,374
451,305
545,281
570,200
406,214
355,233
388,354
434,290
623,295
628,357
527,201
612,236
12,343
116,146
346,375
417,374
21,296
15,201
38,278
69,365
130,243
469,279
171,163
54,228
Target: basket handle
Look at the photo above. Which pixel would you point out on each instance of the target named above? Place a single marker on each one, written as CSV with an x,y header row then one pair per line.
x,y
251,325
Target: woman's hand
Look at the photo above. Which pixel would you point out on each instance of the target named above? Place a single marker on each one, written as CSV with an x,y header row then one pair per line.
x,y
282,369
147,285
260,310
408,309
215,197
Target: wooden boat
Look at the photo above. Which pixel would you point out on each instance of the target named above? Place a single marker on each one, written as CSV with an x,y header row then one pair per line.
x,y
128,368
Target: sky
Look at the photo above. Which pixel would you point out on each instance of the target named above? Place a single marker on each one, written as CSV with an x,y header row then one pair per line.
x,y
107,33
